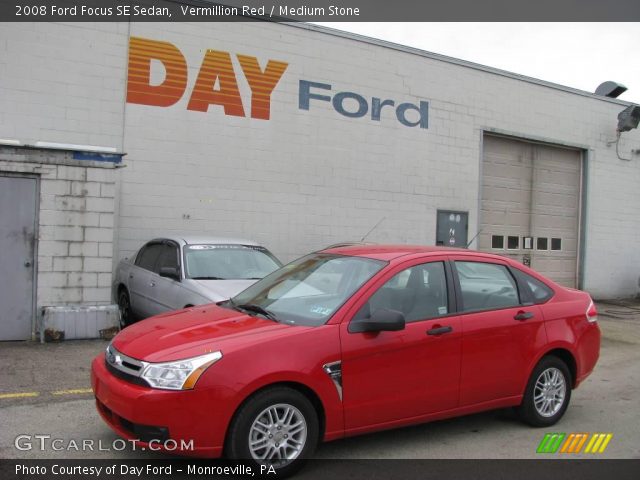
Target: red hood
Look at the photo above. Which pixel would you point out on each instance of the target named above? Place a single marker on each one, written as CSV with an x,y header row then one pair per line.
x,y
191,332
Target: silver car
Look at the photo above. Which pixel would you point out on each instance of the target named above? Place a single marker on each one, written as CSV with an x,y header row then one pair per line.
x,y
171,273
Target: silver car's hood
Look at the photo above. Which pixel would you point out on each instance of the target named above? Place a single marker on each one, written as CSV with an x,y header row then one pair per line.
x,y
218,290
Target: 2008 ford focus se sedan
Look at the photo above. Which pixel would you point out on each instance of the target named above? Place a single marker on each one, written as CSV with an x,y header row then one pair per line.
x,y
346,341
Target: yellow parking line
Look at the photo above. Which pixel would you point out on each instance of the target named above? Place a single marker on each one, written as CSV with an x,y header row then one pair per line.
x,y
19,395
74,391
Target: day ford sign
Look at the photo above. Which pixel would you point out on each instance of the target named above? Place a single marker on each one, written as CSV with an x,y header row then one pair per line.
x,y
363,108
217,84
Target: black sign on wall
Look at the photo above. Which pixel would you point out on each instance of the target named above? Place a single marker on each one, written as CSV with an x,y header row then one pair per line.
x,y
452,228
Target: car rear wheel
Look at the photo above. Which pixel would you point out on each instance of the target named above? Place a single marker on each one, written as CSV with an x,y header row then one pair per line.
x,y
548,393
124,305
277,427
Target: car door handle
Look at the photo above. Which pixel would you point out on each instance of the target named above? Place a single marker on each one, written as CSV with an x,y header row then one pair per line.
x,y
439,330
522,315
152,284
131,275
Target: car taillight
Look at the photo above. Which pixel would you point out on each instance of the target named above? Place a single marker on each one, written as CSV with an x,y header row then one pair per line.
x,y
592,313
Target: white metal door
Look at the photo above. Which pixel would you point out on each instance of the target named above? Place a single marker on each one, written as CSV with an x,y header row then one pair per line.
x,y
530,206
18,213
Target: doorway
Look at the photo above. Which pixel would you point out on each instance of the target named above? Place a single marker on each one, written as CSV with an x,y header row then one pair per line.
x,y
18,224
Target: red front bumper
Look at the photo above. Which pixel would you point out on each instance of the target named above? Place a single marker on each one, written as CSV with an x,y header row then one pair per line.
x,y
191,416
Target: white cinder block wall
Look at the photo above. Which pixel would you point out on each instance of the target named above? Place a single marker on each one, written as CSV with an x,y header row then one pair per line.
x,y
75,225
302,179
65,83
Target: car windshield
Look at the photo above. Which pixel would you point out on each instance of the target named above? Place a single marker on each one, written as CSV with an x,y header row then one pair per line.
x,y
308,291
228,262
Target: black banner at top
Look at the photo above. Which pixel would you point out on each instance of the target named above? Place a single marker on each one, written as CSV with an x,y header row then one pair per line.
x,y
319,10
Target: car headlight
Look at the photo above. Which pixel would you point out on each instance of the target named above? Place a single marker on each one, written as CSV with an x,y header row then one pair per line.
x,y
179,375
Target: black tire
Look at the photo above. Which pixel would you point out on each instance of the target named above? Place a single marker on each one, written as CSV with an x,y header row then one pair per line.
x,y
240,432
124,305
550,407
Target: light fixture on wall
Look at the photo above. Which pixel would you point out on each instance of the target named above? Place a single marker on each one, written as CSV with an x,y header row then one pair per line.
x,y
628,119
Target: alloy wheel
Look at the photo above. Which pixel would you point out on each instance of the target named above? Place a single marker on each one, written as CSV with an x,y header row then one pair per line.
x,y
278,435
549,392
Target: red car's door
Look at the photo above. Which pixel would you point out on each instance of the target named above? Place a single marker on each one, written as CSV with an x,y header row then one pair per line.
x,y
390,376
500,332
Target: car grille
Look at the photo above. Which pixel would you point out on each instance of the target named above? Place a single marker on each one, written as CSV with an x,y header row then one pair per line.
x,y
125,367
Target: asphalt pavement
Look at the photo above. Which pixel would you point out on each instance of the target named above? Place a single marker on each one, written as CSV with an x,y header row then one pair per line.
x,y
45,391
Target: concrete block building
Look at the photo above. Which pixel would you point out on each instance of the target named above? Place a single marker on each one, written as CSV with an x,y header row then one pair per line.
x,y
298,137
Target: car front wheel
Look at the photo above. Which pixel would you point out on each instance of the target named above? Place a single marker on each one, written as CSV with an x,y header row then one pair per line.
x,y
124,305
548,393
277,427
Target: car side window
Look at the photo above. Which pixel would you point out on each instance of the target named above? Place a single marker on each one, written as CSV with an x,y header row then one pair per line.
x,y
168,257
486,286
540,292
148,256
419,292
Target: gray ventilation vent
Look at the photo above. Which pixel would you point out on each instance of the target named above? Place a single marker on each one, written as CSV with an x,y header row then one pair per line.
x,y
610,89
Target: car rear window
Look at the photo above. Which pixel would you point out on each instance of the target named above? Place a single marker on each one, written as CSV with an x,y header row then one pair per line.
x,y
540,292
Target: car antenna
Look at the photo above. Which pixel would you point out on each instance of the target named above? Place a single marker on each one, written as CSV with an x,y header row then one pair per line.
x,y
374,227
476,236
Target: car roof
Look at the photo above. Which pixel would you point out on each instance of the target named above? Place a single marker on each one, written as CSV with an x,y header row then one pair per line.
x,y
391,252
206,240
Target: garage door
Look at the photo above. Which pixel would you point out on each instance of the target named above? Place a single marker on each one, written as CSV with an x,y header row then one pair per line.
x,y
530,207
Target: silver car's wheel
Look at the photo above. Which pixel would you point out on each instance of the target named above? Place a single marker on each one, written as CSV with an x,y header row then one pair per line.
x,y
278,426
549,392
278,435
124,305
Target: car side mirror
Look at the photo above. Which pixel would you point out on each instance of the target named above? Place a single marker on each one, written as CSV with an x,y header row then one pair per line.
x,y
382,320
170,272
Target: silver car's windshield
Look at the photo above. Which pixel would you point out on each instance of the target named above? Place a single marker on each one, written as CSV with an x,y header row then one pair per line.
x,y
228,262
309,290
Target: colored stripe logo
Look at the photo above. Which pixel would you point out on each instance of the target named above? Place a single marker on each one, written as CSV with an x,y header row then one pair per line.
x,y
574,443
550,443
598,443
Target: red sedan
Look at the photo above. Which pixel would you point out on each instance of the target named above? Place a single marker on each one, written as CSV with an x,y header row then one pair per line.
x,y
347,341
